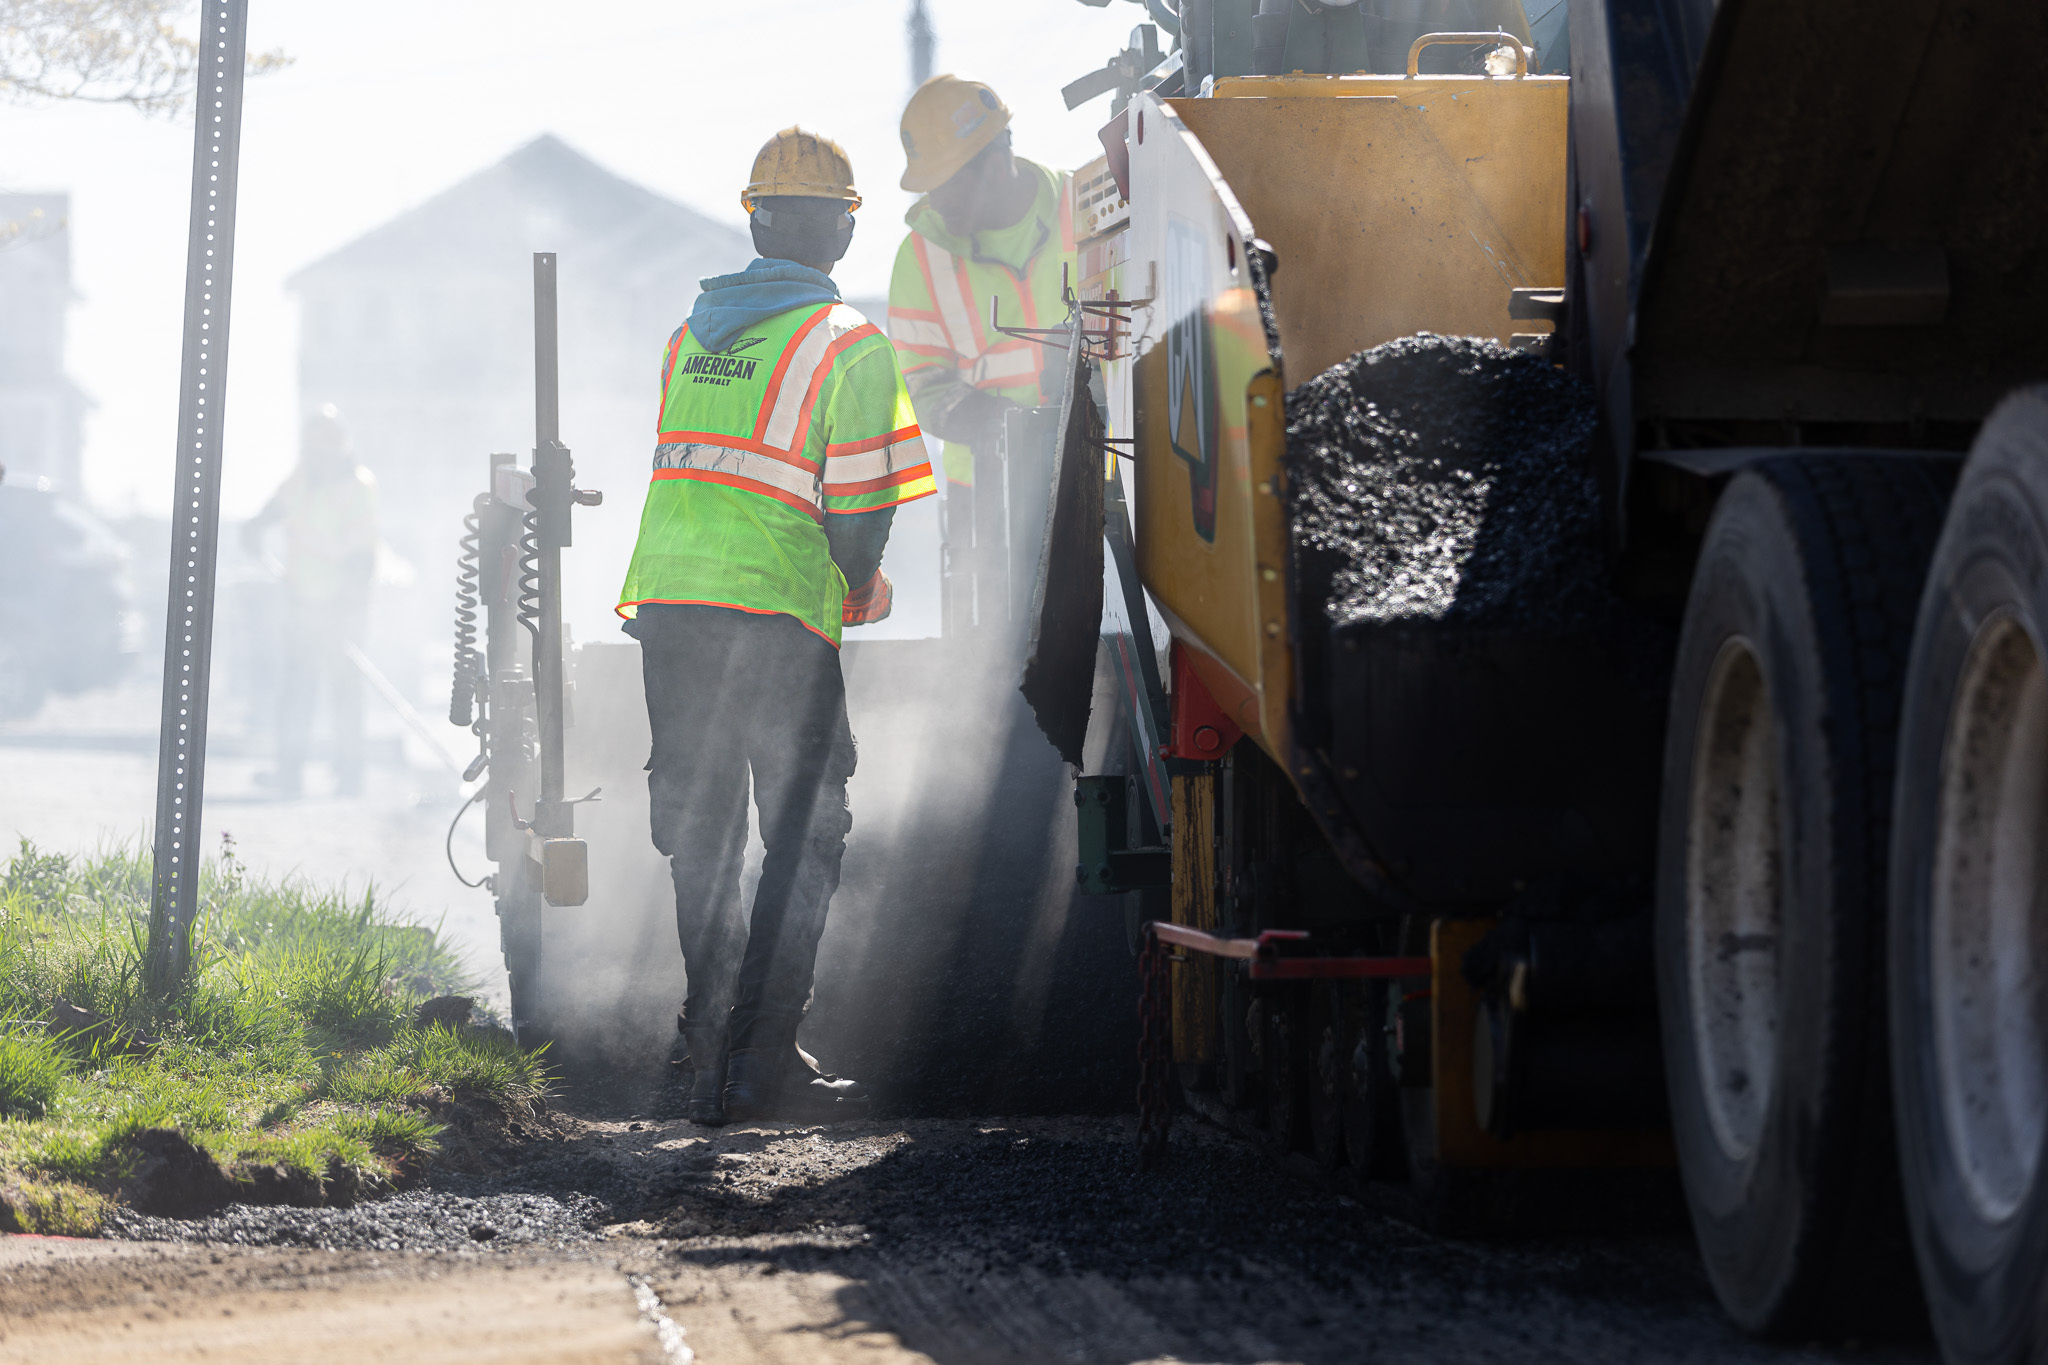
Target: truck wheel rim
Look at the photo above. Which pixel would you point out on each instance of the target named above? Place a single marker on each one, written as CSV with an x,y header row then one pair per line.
x,y
1988,949
1734,896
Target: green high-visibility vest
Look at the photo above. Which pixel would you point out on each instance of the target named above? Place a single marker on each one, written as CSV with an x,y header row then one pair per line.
x,y
803,417
939,298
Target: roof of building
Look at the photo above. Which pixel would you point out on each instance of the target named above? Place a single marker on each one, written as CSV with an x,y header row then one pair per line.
x,y
544,196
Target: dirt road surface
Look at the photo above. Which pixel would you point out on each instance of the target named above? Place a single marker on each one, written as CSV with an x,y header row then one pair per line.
x,y
949,1241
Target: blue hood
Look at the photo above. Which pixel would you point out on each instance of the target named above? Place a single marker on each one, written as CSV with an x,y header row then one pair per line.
x,y
730,304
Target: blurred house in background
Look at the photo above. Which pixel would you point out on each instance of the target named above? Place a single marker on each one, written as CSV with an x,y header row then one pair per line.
x,y
421,333
42,413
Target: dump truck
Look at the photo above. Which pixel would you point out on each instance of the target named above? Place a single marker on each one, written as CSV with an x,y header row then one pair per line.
x,y
1572,523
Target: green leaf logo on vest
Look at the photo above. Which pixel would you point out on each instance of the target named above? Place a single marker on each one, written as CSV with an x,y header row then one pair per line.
x,y
722,367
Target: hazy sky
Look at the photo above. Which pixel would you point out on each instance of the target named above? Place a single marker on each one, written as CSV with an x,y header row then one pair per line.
x,y
389,103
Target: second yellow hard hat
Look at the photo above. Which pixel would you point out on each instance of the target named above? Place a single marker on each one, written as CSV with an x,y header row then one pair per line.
x,y
801,165
945,126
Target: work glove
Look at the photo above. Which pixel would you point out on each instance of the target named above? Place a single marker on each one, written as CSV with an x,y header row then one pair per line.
x,y
977,419
869,603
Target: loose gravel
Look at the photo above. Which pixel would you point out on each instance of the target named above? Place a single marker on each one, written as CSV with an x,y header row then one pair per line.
x,y
1446,479
435,1218
1025,1240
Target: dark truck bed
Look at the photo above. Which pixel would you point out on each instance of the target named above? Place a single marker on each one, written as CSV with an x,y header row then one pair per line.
x,y
1837,244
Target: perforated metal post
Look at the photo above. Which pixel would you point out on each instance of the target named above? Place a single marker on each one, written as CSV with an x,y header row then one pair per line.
x,y
195,509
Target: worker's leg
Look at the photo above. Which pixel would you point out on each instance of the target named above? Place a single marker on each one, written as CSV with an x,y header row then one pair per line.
x,y
345,693
298,695
698,692
801,750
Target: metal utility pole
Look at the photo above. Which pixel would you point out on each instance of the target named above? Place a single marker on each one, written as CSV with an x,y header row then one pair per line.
x,y
195,509
923,40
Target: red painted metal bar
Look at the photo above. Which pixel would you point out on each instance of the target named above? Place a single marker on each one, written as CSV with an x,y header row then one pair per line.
x,y
1266,964
1341,968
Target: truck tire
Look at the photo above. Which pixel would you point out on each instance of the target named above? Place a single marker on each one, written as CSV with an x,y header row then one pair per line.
x,y
1373,1139
1325,1078
1969,928
1771,883
1288,1067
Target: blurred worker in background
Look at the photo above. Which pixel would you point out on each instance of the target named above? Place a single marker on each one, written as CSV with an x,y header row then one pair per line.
x,y
786,443
328,508
990,224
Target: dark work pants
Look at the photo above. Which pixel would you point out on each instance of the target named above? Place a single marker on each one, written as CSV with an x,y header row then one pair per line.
x,y
316,671
732,694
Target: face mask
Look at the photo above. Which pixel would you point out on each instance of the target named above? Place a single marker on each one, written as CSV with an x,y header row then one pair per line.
x,y
802,234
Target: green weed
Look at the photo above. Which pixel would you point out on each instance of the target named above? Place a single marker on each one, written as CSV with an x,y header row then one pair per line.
x,y
32,1071
486,1065
399,1132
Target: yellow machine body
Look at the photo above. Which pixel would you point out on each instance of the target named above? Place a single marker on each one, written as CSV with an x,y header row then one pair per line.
x,y
1391,205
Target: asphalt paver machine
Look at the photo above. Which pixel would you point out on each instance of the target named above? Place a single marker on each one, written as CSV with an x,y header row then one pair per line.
x,y
1750,888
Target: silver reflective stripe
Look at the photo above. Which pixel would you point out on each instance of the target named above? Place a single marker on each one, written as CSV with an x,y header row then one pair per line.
x,y
786,418
768,470
874,464
945,283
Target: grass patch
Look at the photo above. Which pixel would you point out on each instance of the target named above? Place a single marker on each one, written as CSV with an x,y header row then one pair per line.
x,y
290,1049
55,1208
32,1070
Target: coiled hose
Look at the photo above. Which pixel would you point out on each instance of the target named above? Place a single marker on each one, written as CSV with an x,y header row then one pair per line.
x,y
529,575
468,593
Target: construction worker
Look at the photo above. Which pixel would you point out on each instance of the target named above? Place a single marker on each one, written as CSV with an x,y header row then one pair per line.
x,y
786,442
327,506
990,225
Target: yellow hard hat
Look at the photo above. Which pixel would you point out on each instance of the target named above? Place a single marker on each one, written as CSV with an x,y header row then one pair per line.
x,y
945,126
801,165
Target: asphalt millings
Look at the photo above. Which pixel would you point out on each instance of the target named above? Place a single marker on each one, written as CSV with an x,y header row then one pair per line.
x,y
1445,479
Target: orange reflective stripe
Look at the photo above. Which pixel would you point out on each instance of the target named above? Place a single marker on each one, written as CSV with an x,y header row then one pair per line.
x,y
974,314
894,479
770,398
668,366
802,437
873,443
730,606
712,438
943,284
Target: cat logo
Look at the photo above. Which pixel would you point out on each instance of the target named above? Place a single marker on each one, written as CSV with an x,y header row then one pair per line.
x,y
1191,417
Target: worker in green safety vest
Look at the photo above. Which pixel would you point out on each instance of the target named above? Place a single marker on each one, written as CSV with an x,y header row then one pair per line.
x,y
327,507
991,225
786,442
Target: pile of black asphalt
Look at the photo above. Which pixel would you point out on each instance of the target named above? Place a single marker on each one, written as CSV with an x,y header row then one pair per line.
x,y
1446,479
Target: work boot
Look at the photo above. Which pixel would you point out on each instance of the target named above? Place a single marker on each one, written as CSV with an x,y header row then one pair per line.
x,y
705,1067
783,1083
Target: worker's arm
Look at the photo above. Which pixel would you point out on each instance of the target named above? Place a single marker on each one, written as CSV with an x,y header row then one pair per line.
x,y
935,372
857,541
875,461
952,409
271,513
